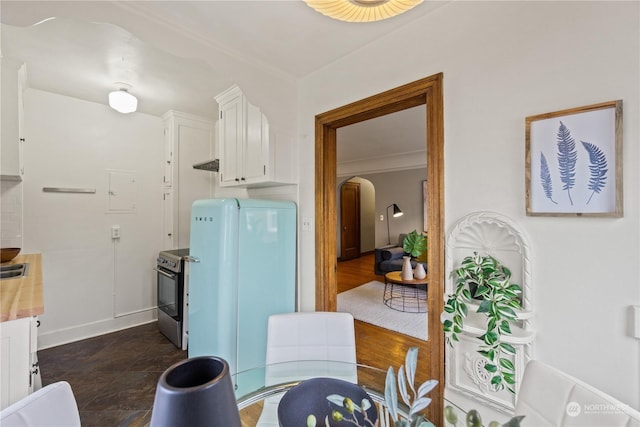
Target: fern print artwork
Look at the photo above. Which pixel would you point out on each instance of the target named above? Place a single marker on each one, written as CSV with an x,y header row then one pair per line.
x,y
567,157
598,168
545,178
572,158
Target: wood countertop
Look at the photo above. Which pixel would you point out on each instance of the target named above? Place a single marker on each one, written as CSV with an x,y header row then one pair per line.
x,y
22,297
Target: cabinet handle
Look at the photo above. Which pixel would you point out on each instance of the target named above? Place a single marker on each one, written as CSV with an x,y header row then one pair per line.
x,y
242,179
237,180
22,139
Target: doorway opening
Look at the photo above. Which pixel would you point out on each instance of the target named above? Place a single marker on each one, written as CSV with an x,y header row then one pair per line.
x,y
427,91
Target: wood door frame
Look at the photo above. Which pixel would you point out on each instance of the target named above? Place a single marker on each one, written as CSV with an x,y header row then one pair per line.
x,y
427,91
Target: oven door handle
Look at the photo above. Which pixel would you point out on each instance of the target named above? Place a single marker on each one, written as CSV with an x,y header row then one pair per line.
x,y
170,276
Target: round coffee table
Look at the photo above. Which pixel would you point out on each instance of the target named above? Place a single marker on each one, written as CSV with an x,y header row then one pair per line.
x,y
405,295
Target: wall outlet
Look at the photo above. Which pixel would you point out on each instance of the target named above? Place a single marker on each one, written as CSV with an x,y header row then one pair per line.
x,y
115,231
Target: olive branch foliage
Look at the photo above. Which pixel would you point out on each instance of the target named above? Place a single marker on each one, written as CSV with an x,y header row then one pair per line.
x,y
489,281
415,398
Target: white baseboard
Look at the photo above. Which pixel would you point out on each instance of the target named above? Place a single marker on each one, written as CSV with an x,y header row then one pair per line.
x,y
89,330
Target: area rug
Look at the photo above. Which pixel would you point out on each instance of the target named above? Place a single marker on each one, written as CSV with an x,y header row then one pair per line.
x,y
365,304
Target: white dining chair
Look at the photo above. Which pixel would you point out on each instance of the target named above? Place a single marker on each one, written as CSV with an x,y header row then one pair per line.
x,y
316,335
52,406
550,397
307,337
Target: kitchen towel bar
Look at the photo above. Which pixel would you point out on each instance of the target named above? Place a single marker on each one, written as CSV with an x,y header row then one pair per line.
x,y
68,190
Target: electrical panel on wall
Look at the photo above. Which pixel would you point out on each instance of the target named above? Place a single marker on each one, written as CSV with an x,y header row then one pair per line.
x,y
121,195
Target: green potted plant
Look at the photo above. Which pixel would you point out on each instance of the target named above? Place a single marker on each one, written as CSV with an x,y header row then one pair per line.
x,y
484,281
414,244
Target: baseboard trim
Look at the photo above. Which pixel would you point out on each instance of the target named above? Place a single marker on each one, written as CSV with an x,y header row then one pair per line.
x,y
90,330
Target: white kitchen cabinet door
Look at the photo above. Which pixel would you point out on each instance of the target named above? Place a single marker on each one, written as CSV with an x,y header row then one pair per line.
x,y
247,151
11,132
257,146
231,141
15,358
190,141
168,156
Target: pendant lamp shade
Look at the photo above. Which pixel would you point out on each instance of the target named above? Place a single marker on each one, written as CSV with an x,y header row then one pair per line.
x,y
362,10
122,101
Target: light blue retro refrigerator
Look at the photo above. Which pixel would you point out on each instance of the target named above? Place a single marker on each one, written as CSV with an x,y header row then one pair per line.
x,y
242,270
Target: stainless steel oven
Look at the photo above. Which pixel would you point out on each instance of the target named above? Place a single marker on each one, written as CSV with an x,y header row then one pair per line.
x,y
173,295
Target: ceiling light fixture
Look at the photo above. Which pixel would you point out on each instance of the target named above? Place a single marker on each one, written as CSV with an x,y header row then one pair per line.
x,y
362,10
122,101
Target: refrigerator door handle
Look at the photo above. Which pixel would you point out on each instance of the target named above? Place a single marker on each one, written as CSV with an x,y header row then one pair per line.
x,y
191,259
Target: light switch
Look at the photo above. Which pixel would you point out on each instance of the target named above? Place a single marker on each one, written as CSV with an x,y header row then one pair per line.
x,y
307,224
115,231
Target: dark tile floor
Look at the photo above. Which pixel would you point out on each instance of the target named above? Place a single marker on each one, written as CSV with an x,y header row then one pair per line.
x,y
113,376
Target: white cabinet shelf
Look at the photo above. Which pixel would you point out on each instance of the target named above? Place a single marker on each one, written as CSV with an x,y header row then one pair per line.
x,y
520,314
475,324
247,148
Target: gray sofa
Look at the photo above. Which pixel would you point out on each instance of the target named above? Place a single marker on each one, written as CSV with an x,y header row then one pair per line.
x,y
389,258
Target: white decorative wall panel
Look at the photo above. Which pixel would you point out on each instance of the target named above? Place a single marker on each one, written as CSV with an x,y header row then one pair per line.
x,y
489,233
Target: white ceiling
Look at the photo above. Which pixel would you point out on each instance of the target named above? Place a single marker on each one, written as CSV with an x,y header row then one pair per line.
x,y
81,56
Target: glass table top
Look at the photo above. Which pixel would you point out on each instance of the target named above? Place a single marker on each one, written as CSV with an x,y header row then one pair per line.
x,y
259,390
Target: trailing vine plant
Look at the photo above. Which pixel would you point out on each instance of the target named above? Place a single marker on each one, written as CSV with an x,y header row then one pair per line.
x,y
487,280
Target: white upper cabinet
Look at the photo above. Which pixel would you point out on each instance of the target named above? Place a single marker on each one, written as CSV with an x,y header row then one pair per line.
x,y
12,135
247,150
188,140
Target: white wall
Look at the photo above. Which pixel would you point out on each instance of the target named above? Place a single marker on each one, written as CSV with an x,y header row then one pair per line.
x,y
504,61
403,188
92,284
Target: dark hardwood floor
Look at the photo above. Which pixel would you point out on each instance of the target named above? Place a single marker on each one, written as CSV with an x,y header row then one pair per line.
x,y
114,376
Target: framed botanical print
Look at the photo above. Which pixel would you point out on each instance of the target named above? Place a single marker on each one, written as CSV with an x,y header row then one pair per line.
x,y
574,162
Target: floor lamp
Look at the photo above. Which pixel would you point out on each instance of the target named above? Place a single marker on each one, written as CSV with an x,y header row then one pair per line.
x,y
396,213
